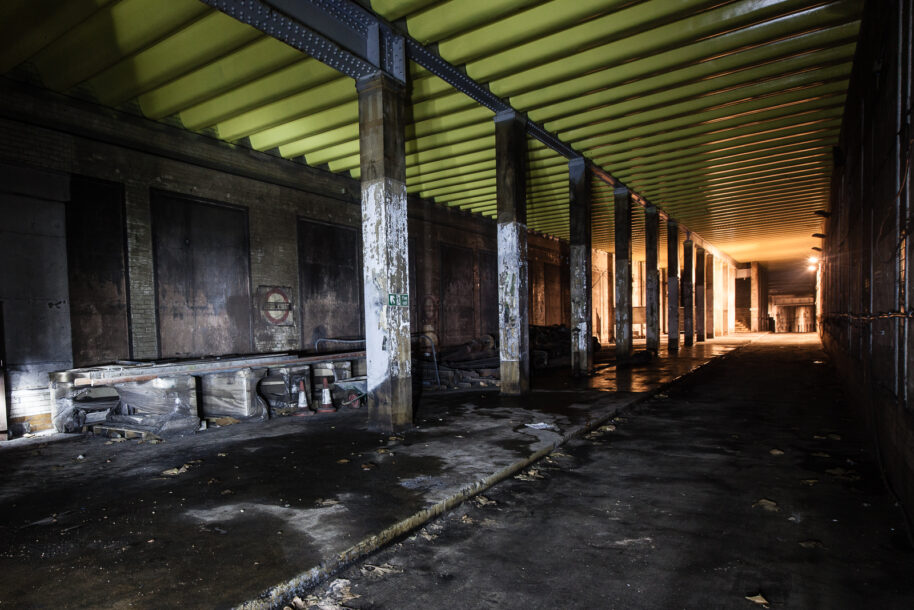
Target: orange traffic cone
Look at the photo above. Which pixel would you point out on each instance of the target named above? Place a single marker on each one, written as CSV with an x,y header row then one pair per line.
x,y
326,399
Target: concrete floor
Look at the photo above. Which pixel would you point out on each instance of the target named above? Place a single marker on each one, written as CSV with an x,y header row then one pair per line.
x,y
664,511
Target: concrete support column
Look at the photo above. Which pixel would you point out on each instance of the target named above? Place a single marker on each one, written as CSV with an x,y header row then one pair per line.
x,y
709,295
511,197
688,299
385,252
755,309
623,236
581,266
731,299
652,277
701,312
672,286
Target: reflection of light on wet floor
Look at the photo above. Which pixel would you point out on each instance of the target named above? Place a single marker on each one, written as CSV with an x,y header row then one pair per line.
x,y
665,368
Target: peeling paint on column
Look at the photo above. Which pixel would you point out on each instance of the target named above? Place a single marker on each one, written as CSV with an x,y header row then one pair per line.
x,y
672,263
385,247
700,306
688,313
386,271
580,261
512,296
581,314
623,254
652,280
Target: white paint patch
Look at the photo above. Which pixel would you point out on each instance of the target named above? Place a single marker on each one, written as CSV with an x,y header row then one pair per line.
x,y
313,522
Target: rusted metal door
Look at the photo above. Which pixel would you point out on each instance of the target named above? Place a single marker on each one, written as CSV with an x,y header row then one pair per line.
x,y
458,295
202,271
330,282
488,293
96,265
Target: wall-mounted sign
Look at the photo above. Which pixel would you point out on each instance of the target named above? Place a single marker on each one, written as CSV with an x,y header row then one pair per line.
x,y
275,305
397,300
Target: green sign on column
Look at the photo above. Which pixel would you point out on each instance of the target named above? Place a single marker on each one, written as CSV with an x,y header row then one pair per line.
x,y
395,299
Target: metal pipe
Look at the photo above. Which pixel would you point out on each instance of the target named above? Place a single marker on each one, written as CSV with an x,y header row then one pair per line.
x,y
346,341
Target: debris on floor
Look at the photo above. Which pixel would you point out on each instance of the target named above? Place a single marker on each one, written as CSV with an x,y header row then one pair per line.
x,y
758,599
769,505
543,426
379,571
811,544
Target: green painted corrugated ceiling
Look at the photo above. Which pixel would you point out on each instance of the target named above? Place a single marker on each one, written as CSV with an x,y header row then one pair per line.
x,y
723,113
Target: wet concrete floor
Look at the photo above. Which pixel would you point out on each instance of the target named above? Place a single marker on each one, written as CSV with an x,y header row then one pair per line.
x,y
745,485
217,519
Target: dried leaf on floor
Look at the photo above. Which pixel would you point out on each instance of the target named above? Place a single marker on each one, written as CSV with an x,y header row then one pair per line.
x,y
530,475
776,452
395,438
809,482
607,428
227,492
326,502
758,599
841,473
369,466
468,520
224,421
221,454
173,472
834,437
382,450
343,461
425,535
821,454
769,505
385,569
297,603
811,544
481,500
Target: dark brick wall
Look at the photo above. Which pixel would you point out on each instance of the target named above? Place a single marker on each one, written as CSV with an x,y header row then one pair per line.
x,y
866,279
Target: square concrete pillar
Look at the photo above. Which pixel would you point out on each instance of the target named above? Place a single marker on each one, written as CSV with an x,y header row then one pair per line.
x,y
701,312
688,298
580,263
709,295
652,278
672,283
755,310
623,292
385,252
511,198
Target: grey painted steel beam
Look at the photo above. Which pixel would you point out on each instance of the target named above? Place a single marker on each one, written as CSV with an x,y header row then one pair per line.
x,y
358,43
338,33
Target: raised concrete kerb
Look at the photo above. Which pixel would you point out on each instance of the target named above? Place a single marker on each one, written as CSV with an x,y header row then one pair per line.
x,y
275,596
